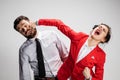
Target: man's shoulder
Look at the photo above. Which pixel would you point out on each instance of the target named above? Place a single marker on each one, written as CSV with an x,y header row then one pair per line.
x,y
25,44
47,34
48,37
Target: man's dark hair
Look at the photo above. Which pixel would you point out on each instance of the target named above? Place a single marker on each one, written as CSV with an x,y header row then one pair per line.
x,y
18,19
108,36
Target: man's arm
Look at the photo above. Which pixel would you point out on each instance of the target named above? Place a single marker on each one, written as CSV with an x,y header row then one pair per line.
x,y
63,52
24,67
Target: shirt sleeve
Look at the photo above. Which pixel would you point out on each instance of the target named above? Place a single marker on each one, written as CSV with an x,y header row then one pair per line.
x,y
63,52
24,66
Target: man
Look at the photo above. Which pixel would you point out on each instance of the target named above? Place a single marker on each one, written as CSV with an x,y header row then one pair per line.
x,y
54,51
85,53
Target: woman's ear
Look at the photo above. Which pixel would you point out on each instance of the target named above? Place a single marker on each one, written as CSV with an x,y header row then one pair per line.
x,y
91,32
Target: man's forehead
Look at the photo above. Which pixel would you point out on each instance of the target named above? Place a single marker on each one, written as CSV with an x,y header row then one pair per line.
x,y
22,22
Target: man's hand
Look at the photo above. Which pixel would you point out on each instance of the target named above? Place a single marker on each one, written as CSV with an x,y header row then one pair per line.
x,y
86,73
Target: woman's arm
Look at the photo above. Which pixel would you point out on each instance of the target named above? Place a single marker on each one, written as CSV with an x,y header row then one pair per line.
x,y
60,25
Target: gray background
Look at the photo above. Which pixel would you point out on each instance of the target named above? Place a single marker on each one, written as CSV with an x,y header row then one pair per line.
x,y
80,15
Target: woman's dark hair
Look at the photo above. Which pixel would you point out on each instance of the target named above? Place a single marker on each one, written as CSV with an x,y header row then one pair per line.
x,y
108,36
18,19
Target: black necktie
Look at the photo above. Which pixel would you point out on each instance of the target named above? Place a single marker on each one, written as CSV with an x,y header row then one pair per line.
x,y
41,66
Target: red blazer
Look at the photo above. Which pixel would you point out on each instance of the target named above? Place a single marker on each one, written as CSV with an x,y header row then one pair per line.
x,y
96,58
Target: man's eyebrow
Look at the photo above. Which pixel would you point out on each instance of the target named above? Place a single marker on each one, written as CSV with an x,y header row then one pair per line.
x,y
22,24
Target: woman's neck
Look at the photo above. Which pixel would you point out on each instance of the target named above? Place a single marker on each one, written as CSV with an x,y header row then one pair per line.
x,y
92,42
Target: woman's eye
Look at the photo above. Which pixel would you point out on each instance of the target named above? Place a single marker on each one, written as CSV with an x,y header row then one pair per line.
x,y
104,30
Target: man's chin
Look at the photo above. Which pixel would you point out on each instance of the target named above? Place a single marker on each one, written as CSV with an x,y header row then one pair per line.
x,y
30,37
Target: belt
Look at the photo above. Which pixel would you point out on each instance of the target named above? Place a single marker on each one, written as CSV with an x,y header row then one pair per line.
x,y
46,78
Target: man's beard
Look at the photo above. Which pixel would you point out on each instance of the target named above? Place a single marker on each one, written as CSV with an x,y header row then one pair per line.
x,y
32,35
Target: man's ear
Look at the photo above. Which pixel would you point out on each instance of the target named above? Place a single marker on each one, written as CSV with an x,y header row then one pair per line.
x,y
33,24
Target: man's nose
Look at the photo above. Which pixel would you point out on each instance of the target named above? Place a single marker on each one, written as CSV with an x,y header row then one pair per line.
x,y
24,29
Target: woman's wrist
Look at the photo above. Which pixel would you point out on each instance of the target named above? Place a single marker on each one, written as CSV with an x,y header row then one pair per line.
x,y
89,78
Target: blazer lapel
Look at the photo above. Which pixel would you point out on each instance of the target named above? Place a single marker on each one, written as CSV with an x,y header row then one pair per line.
x,y
79,47
89,59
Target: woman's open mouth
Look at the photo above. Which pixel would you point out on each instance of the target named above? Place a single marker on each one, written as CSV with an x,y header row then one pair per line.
x,y
97,32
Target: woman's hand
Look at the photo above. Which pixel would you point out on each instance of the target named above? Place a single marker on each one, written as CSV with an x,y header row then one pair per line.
x,y
86,73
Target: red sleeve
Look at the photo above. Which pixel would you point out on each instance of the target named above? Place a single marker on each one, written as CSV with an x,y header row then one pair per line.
x,y
60,25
